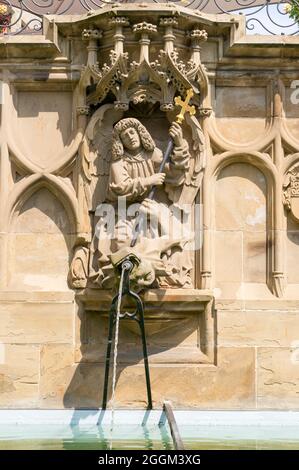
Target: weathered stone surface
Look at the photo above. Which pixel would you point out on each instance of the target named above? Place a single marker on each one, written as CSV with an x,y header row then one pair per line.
x,y
232,102
229,385
240,199
240,236
38,250
291,110
230,269
36,322
255,256
292,248
240,117
172,339
56,371
278,377
257,328
44,114
19,375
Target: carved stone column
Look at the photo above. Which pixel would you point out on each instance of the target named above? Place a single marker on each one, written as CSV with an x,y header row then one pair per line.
x,y
278,275
169,37
92,36
119,22
145,30
197,36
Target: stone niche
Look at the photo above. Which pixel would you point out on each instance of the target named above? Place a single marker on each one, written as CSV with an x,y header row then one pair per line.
x,y
40,115
39,245
179,328
241,226
136,66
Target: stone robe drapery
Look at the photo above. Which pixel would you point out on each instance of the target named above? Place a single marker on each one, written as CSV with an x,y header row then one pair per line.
x,y
128,174
128,180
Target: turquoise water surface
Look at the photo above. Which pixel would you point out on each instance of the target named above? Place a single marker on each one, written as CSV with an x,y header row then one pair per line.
x,y
151,437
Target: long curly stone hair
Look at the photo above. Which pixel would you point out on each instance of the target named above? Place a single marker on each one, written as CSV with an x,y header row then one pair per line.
x,y
117,145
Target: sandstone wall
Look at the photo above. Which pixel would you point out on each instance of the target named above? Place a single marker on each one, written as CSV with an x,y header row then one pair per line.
x,y
51,348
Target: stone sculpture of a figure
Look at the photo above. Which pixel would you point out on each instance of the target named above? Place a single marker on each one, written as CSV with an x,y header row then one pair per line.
x,y
136,161
124,166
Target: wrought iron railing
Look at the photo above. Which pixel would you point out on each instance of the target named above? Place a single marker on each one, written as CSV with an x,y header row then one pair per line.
x,y
262,16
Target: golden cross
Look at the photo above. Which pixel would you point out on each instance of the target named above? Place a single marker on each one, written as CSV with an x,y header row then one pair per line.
x,y
185,108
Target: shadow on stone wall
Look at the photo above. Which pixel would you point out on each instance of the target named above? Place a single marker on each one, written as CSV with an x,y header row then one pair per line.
x,y
172,338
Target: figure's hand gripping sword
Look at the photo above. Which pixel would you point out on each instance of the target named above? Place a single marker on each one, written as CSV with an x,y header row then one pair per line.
x,y
185,108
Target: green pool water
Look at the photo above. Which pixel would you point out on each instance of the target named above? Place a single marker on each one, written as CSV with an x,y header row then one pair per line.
x,y
153,437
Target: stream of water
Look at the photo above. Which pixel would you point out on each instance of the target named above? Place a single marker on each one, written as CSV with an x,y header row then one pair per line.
x,y
120,291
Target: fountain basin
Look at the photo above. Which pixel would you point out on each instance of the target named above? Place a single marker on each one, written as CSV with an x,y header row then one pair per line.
x,y
140,429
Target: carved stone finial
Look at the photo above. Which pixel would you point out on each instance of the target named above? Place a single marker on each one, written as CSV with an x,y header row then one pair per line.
x,y
204,112
167,107
199,34
83,110
88,34
144,27
119,20
168,21
121,105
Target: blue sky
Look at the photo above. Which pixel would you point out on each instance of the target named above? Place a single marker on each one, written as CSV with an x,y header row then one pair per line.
x,y
269,19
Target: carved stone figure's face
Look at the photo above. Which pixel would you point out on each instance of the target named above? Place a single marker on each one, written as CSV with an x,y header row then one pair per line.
x,y
130,138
